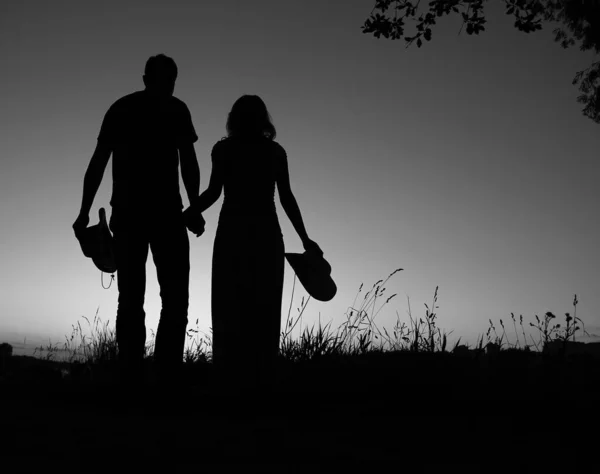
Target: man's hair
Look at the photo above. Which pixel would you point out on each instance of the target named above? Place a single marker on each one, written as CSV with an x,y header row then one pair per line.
x,y
160,66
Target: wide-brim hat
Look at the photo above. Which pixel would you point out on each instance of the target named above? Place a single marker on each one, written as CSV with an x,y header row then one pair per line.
x,y
314,272
97,243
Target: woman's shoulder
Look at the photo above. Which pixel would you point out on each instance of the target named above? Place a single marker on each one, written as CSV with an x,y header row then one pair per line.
x,y
220,145
278,148
226,144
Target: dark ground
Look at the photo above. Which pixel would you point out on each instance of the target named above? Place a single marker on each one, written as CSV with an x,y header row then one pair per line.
x,y
404,412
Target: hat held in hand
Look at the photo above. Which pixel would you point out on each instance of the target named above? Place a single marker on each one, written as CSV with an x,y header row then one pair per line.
x,y
314,272
97,243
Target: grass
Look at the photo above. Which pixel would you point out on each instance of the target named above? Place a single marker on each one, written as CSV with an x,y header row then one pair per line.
x,y
93,342
400,393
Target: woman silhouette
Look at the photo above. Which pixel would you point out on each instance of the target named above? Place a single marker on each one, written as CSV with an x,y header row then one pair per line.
x,y
248,255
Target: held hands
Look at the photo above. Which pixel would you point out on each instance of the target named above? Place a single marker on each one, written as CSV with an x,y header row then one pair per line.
x,y
194,221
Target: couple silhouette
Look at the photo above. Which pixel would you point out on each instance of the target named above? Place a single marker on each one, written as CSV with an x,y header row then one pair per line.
x,y
150,134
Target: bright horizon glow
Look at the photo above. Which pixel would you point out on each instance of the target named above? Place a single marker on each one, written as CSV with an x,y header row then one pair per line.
x,y
466,162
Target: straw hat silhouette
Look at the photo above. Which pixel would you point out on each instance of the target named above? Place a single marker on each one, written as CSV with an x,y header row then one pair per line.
x,y
97,243
314,272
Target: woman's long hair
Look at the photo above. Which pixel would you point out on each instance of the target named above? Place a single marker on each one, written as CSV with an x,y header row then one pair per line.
x,y
249,117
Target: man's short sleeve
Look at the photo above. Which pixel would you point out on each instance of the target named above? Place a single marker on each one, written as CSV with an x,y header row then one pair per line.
x,y
109,128
185,131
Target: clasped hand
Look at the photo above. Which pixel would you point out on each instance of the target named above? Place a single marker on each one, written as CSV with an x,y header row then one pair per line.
x,y
311,246
81,223
194,221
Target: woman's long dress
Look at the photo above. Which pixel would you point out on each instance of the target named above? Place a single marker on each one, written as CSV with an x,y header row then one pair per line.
x,y
248,256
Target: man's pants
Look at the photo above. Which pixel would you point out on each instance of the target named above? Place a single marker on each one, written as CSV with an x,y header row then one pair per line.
x,y
166,236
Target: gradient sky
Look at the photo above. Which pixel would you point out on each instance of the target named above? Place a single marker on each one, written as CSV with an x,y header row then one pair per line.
x,y
467,162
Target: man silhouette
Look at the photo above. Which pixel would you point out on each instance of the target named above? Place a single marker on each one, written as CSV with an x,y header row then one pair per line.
x,y
149,133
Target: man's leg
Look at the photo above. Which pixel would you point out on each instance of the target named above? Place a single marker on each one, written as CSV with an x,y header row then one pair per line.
x,y
131,253
171,253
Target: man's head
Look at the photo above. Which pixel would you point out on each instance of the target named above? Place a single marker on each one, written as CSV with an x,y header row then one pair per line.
x,y
160,75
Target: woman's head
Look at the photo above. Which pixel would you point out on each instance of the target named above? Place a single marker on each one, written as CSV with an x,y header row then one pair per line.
x,y
249,117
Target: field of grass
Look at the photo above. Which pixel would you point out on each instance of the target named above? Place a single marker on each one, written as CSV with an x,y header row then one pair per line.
x,y
355,395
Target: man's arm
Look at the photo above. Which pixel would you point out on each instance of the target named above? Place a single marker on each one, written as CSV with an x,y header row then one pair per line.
x,y
91,183
190,171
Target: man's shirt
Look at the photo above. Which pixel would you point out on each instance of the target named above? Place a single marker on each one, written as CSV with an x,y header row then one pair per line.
x,y
144,133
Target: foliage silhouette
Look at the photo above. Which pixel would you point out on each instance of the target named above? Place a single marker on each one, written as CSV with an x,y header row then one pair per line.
x,y
578,20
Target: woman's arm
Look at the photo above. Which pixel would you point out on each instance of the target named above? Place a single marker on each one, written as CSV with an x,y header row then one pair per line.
x,y
215,187
193,214
210,195
289,203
